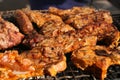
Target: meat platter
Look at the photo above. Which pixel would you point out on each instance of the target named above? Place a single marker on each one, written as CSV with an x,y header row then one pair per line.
x,y
76,44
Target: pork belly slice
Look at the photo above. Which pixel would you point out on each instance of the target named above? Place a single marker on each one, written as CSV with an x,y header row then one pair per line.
x,y
95,60
24,22
9,35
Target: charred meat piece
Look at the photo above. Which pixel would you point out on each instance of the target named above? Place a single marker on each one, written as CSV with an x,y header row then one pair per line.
x,y
78,21
106,33
23,21
9,35
95,60
75,10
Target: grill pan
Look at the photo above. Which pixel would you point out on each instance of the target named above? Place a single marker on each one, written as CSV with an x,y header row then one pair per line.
x,y
72,73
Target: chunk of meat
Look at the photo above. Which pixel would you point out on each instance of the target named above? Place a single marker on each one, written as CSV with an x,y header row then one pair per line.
x,y
64,14
14,66
53,28
49,59
106,33
35,16
9,35
23,21
95,59
78,21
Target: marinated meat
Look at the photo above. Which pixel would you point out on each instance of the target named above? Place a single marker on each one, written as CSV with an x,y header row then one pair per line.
x,y
23,21
95,59
38,61
106,33
13,66
35,16
48,58
51,35
53,29
64,14
78,21
9,35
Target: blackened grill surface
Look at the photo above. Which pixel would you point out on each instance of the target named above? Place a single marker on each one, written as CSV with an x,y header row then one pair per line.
x,y
73,73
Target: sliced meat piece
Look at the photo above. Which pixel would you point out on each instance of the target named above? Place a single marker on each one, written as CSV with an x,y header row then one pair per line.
x,y
23,21
95,60
49,59
107,34
53,28
35,16
13,66
9,35
78,21
75,10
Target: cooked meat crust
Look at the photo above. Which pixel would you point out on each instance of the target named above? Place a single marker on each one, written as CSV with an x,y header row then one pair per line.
x,y
95,59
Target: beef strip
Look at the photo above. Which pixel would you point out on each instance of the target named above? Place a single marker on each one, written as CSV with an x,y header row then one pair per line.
x,y
9,35
95,59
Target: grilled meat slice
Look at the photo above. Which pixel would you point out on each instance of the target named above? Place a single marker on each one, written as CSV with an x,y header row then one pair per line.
x,y
9,35
95,59
41,18
53,28
78,21
48,58
23,21
35,16
64,14
107,34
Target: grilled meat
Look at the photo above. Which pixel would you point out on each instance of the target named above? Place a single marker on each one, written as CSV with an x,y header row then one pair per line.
x,y
106,33
25,24
49,59
50,35
9,35
95,59
64,14
78,21
14,66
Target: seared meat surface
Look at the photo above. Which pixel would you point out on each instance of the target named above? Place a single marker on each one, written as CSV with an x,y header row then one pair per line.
x,y
64,14
9,34
105,32
96,59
